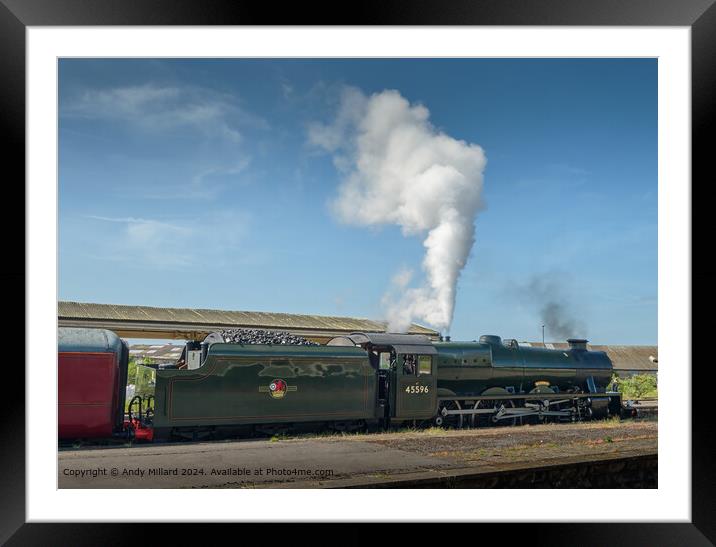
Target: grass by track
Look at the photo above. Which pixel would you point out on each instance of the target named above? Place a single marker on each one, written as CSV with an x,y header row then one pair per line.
x,y
396,434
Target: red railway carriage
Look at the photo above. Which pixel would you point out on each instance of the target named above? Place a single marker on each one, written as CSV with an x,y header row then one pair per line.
x,y
92,375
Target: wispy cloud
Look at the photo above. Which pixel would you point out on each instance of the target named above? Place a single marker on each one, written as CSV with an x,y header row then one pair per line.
x,y
556,177
157,108
609,242
173,244
146,241
209,182
568,169
287,90
206,184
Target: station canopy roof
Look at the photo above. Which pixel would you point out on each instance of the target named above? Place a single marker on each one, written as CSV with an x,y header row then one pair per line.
x,y
189,323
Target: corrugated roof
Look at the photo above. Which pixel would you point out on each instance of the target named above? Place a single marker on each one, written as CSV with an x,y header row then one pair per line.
x,y
623,357
248,319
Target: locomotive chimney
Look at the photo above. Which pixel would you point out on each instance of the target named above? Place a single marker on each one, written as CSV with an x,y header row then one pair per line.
x,y
577,343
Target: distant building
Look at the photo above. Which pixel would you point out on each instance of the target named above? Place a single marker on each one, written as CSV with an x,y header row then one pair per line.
x,y
627,360
155,353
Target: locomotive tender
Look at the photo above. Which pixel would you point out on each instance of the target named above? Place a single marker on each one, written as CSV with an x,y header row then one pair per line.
x,y
363,380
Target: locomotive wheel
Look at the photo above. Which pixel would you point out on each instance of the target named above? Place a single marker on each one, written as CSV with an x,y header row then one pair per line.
x,y
507,403
449,421
487,419
484,420
544,419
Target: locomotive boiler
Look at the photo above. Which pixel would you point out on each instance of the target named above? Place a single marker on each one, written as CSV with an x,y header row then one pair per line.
x,y
362,380
494,380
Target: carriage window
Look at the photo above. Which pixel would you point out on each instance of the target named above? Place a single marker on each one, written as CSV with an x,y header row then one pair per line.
x,y
384,360
425,364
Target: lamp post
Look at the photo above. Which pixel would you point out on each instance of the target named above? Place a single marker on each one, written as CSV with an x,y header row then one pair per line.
x,y
543,335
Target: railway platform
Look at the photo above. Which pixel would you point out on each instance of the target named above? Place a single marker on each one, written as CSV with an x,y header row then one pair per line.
x,y
430,458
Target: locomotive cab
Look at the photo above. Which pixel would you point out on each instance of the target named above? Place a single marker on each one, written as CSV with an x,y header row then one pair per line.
x,y
416,385
406,367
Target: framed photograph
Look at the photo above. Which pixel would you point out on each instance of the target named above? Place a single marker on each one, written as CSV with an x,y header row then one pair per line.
x,y
142,160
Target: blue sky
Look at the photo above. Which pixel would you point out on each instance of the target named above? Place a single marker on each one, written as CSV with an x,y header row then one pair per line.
x,y
194,183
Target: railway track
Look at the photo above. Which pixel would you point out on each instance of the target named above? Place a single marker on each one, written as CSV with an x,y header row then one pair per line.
x,y
647,409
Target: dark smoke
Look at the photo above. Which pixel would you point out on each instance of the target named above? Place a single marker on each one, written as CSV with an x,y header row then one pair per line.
x,y
557,321
548,295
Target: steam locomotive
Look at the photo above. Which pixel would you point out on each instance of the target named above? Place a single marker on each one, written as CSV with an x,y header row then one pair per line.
x,y
363,380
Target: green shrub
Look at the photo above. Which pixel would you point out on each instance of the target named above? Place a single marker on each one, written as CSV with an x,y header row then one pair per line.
x,y
637,386
142,377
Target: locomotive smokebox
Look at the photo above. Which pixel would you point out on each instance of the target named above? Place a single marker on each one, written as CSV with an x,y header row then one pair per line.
x,y
577,343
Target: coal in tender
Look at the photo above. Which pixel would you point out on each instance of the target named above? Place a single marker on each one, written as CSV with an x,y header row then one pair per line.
x,y
260,336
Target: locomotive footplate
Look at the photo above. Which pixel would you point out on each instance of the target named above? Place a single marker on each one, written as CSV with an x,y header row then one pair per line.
x,y
504,413
541,405
531,396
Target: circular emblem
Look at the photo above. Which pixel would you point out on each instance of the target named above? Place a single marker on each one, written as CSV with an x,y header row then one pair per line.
x,y
277,388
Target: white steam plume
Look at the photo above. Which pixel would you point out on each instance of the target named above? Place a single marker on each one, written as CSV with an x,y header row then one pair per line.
x,y
398,169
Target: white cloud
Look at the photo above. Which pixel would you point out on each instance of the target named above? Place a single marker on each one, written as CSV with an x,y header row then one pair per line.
x,y
176,244
334,135
398,169
147,242
157,108
402,278
206,184
287,89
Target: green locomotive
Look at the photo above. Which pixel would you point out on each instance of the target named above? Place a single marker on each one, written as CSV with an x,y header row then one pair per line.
x,y
378,380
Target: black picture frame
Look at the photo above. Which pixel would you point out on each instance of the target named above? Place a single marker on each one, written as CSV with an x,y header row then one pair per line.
x,y
16,15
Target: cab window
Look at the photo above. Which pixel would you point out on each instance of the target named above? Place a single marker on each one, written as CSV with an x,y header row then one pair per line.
x,y
409,365
425,364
